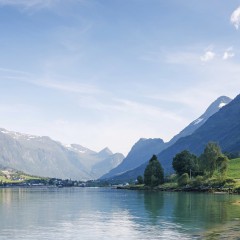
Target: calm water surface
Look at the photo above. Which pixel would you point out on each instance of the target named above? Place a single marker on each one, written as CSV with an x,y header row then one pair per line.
x,y
100,213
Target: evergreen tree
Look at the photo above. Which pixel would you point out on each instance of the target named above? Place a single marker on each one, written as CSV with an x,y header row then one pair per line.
x,y
153,174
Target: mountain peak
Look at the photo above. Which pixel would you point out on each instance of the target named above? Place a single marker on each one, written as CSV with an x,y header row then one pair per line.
x,y
193,126
212,109
216,105
105,152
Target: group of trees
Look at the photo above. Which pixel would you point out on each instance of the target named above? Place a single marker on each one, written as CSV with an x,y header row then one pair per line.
x,y
211,161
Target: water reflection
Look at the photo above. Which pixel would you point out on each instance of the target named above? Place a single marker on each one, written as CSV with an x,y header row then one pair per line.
x,y
110,214
154,203
204,210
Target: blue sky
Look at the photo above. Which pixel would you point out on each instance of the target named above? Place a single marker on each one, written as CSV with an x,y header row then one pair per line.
x,y
108,72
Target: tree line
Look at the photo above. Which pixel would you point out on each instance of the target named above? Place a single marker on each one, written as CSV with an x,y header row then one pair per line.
x,y
187,165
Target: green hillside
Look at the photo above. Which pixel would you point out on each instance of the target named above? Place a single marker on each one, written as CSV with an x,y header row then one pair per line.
x,y
234,168
13,176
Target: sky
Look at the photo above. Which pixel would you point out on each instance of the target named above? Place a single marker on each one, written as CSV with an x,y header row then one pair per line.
x,y
104,73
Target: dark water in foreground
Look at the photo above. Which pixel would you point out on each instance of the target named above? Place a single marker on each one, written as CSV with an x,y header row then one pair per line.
x,y
100,213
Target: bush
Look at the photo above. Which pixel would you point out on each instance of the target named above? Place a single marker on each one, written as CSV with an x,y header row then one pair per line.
x,y
230,181
198,181
140,180
183,179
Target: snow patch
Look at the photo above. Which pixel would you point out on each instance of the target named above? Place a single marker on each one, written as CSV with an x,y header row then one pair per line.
x,y
4,131
222,104
197,121
17,135
70,147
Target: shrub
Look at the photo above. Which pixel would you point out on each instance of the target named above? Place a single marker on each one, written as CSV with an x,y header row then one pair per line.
x,y
183,179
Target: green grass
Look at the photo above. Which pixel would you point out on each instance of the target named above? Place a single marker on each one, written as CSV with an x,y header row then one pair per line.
x,y
234,168
16,174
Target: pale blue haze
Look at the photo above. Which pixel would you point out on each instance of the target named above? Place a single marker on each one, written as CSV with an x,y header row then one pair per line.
x,y
108,72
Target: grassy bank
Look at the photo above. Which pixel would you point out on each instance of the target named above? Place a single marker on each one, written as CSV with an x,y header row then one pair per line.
x,y
230,184
234,169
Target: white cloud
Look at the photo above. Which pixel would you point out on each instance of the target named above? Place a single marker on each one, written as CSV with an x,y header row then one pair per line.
x,y
228,54
208,56
235,18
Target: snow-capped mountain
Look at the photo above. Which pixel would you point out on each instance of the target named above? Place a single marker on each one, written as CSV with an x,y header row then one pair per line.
x,y
45,157
193,126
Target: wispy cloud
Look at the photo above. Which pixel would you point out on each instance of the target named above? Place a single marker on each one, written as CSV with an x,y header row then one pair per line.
x,y
39,4
68,86
29,3
235,18
228,54
208,56
52,82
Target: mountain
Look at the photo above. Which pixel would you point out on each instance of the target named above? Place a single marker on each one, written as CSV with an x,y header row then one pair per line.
x,y
197,134
223,127
193,126
107,164
141,152
43,156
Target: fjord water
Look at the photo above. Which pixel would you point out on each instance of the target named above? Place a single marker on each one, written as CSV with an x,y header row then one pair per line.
x,y
102,213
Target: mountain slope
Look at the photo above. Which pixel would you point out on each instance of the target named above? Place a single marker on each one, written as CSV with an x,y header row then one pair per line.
x,y
43,156
140,153
193,126
107,164
222,127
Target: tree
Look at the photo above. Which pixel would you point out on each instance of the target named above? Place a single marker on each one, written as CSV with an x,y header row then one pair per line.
x,y
185,162
209,158
222,165
153,174
140,179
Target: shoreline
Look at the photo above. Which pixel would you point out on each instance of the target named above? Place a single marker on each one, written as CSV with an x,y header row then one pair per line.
x,y
181,189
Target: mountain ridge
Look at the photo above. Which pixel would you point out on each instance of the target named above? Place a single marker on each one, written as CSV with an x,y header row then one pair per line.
x,y
49,158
